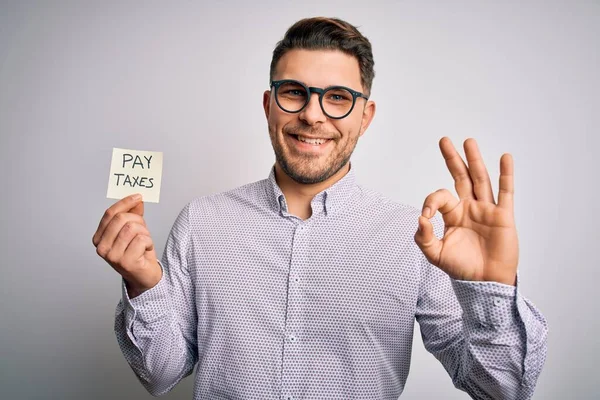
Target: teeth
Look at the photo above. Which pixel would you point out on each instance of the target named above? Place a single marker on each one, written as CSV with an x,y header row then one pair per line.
x,y
311,141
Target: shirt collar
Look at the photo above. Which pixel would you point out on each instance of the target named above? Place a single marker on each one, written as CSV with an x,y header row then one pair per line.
x,y
331,200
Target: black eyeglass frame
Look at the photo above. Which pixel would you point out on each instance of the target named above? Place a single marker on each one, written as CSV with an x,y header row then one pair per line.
x,y
320,91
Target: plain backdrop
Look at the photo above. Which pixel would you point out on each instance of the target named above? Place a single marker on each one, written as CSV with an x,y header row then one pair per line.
x,y
186,78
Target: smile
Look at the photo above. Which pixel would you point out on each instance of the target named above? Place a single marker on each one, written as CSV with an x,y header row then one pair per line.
x,y
306,145
311,141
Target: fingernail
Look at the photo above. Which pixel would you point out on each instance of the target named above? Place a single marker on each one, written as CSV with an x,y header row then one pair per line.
x,y
426,212
136,197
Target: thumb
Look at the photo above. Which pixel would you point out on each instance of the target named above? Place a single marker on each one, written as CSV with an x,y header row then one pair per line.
x,y
429,244
138,209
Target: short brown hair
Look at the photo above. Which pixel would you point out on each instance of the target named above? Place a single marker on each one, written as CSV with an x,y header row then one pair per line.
x,y
320,33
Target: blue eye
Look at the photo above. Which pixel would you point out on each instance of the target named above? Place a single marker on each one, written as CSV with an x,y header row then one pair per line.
x,y
338,96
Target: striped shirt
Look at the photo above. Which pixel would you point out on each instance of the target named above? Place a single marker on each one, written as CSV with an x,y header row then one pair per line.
x,y
270,306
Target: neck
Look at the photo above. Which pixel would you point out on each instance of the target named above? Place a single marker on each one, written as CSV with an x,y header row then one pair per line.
x,y
299,195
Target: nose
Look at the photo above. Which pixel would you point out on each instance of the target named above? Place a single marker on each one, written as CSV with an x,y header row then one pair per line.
x,y
312,113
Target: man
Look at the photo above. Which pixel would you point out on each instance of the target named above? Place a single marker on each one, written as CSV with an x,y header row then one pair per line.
x,y
306,285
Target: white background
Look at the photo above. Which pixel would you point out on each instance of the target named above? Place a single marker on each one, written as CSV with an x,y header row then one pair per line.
x,y
187,77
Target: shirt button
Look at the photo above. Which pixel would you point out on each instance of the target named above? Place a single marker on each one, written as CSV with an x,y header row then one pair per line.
x,y
497,301
292,338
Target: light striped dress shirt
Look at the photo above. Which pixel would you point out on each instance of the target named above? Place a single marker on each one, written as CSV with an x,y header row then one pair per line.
x,y
269,306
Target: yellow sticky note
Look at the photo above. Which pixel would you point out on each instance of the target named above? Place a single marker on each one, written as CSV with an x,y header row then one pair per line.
x,y
135,171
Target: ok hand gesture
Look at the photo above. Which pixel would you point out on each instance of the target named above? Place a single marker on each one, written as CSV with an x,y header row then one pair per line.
x,y
480,238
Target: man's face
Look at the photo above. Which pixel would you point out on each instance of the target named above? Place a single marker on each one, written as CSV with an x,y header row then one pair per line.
x,y
308,162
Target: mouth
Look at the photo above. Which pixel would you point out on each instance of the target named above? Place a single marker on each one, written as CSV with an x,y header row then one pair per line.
x,y
309,145
311,141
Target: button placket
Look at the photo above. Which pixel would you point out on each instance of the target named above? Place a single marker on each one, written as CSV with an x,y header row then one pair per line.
x,y
295,289
295,309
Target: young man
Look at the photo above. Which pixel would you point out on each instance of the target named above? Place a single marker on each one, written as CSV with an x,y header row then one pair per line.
x,y
306,285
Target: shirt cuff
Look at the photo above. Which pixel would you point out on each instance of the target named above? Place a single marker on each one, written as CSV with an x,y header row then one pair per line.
x,y
487,303
149,306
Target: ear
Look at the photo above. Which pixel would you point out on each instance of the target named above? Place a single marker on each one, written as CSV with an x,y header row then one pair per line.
x,y
267,103
367,116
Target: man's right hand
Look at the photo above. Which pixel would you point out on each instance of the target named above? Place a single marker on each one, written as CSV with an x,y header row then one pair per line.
x,y
123,240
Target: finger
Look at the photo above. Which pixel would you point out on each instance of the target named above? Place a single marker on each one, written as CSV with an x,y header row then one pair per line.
x,y
124,205
506,188
440,200
458,169
134,256
112,231
138,209
429,244
129,231
482,186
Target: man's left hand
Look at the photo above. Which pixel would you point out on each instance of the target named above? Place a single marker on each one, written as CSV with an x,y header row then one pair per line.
x,y
480,238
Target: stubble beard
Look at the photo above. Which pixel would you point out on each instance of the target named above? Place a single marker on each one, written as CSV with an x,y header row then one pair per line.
x,y
300,169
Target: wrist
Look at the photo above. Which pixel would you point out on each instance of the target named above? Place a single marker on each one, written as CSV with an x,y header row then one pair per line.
x,y
134,291
510,280
136,288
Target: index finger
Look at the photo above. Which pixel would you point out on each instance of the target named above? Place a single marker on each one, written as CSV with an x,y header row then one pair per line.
x,y
133,204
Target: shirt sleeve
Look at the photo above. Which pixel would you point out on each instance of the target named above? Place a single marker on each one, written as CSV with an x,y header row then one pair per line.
x,y
490,339
156,330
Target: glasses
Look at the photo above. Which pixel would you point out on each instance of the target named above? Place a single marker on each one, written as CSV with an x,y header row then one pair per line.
x,y
336,101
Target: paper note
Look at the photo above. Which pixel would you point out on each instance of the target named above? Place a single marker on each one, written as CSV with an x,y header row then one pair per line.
x,y
135,171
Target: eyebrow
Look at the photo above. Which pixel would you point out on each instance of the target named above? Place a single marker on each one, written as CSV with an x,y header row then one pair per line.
x,y
323,87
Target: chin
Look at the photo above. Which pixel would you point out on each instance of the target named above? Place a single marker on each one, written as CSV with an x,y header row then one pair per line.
x,y
309,180
302,175
310,176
